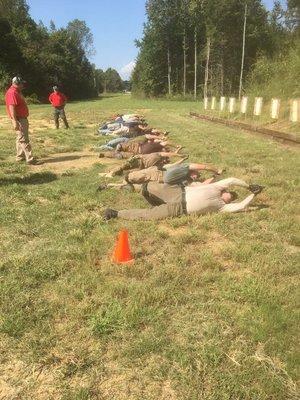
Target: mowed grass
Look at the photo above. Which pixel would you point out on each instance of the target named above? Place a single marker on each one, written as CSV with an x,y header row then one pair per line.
x,y
207,311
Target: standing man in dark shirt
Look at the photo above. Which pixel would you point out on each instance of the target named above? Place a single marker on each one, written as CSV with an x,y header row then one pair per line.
x,y
18,112
58,101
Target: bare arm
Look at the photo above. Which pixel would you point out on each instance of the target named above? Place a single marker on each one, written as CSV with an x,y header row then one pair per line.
x,y
170,154
236,207
204,167
175,163
226,183
154,137
13,114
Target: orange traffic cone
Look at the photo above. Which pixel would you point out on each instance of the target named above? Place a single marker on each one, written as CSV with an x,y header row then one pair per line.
x,y
122,252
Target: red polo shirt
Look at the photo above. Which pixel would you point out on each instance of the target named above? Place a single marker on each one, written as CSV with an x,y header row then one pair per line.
x,y
57,99
13,97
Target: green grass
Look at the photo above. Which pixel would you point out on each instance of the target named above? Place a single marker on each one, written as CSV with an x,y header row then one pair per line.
x,y
207,311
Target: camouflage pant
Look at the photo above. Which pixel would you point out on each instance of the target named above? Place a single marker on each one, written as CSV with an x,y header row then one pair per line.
x,y
134,162
145,175
60,113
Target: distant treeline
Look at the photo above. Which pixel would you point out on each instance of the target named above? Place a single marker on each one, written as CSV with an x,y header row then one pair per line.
x,y
196,46
47,56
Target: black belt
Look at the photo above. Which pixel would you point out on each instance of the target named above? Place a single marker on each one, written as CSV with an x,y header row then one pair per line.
x,y
183,199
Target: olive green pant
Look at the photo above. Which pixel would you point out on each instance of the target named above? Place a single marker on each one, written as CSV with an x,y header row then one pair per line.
x,y
59,112
155,213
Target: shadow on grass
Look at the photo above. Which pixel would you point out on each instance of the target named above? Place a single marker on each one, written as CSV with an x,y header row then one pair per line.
x,y
63,158
38,178
258,207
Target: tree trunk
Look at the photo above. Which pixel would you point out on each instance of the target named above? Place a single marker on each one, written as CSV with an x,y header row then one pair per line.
x,y
243,53
222,77
211,81
207,66
195,67
184,63
169,72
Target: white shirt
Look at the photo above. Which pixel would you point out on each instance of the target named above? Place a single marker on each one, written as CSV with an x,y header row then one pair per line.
x,y
202,199
130,118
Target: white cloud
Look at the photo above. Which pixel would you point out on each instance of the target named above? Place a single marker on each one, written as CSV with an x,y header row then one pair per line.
x,y
127,70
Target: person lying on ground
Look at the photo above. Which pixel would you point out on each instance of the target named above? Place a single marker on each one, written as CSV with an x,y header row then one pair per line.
x,y
112,144
116,128
171,174
144,148
146,145
130,130
143,161
128,117
179,200
119,124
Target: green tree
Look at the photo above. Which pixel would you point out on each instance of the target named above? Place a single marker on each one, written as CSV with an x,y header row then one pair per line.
x,y
112,81
82,35
45,56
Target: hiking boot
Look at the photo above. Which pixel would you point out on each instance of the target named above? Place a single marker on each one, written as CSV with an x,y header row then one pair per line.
x,y
35,162
101,155
109,213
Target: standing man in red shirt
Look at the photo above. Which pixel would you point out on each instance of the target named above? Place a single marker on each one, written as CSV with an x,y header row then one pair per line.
x,y
18,112
58,101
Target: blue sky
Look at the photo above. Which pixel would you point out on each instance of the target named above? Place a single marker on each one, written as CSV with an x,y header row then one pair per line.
x,y
115,25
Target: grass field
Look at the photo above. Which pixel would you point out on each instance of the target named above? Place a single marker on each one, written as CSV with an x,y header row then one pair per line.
x,y
207,311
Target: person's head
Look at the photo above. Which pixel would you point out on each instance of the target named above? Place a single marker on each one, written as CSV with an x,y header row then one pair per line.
x,y
55,88
18,82
228,197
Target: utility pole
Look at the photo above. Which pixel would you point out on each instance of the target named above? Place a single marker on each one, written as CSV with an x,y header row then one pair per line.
x,y
243,53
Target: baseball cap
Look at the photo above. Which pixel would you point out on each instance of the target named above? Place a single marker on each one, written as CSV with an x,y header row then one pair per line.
x,y
55,87
17,80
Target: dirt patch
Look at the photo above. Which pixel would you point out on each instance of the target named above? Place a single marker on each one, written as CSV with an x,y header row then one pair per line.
x,y
62,162
36,125
168,230
217,243
17,378
143,110
291,249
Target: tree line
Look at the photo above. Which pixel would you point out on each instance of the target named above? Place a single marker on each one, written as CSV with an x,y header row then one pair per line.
x,y
47,56
209,47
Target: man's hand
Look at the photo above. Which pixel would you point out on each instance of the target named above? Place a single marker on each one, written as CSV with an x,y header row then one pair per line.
x,y
255,189
16,125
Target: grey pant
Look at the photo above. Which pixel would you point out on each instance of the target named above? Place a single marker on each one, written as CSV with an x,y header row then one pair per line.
x,y
155,213
23,145
60,112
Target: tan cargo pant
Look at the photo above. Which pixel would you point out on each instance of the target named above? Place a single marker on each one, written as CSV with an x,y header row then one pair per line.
x,y
155,213
23,145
